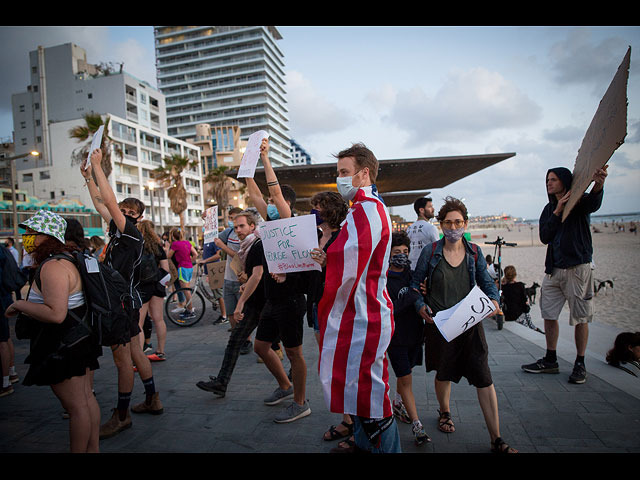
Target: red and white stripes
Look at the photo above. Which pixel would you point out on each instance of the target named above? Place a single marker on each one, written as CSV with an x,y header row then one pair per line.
x,y
355,314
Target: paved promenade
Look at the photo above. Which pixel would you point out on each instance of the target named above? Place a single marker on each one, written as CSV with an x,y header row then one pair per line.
x,y
538,413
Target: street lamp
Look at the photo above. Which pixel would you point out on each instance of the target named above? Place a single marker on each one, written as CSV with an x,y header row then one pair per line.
x,y
33,153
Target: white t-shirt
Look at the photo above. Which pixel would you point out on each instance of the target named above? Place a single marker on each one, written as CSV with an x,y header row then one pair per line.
x,y
421,233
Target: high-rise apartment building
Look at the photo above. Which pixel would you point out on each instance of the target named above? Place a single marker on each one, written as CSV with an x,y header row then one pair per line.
x,y
224,76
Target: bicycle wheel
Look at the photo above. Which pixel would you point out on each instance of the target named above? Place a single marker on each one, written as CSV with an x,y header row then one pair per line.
x,y
176,310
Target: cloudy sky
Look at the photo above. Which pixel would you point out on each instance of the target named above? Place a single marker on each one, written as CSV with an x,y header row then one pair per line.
x,y
421,91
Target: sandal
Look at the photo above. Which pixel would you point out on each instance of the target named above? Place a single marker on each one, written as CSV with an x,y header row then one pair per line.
x,y
445,424
334,434
500,446
346,446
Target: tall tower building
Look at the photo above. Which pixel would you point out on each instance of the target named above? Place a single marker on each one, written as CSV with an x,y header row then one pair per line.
x,y
224,76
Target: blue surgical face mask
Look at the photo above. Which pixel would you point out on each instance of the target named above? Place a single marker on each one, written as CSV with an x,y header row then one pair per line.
x,y
272,212
230,223
319,219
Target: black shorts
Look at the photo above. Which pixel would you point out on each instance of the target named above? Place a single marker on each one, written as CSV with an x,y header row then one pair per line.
x,y
283,319
404,358
126,330
149,290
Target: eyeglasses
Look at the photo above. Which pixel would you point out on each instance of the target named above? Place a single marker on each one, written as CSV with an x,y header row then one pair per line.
x,y
449,223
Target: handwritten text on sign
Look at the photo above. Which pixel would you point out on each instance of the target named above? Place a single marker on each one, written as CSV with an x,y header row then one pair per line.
x,y
465,314
288,243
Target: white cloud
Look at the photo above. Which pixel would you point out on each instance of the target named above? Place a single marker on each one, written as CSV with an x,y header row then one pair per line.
x,y
469,104
310,113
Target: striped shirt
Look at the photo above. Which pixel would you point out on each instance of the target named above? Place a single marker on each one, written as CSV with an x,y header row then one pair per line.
x,y
355,313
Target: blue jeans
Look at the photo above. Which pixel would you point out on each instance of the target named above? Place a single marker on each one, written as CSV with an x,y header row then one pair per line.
x,y
231,296
390,438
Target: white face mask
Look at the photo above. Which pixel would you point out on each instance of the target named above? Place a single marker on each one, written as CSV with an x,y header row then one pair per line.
x,y
346,188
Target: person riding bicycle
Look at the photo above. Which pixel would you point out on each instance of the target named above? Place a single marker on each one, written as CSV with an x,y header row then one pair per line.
x,y
185,254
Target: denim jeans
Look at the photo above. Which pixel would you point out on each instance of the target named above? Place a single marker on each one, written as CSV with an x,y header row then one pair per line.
x,y
231,295
390,438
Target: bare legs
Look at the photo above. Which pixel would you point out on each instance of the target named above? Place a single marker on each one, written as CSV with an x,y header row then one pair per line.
x,y
76,397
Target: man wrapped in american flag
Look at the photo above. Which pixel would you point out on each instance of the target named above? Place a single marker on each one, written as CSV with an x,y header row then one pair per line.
x,y
355,314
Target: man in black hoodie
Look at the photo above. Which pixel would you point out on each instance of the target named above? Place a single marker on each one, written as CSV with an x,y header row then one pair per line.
x,y
567,267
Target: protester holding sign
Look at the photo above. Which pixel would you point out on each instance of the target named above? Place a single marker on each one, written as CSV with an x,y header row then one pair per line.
x,y
567,267
451,267
285,306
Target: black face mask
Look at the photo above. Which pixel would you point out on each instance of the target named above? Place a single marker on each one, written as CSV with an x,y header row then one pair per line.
x,y
133,220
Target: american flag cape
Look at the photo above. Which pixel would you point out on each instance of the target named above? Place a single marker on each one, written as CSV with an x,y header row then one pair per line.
x,y
355,314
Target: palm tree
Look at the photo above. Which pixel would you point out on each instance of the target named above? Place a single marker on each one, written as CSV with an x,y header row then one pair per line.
x,y
170,176
220,187
85,132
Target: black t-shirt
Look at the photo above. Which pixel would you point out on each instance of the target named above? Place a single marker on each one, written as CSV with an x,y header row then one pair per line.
x,y
254,259
123,254
408,324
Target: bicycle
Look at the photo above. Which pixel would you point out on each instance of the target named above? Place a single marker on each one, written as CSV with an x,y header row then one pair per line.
x,y
187,315
498,250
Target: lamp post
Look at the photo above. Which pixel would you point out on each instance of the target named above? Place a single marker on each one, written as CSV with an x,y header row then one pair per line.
x,y
151,185
33,153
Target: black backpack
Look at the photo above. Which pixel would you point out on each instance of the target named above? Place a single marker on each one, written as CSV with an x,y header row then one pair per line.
x,y
109,301
148,268
12,277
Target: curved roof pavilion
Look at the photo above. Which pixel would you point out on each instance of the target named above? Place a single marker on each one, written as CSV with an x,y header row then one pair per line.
x,y
400,181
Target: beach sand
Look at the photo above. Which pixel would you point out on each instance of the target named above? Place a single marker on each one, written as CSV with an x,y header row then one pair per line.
x,y
616,256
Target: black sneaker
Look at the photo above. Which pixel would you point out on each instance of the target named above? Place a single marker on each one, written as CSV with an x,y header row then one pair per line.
x,y
579,374
246,348
213,386
542,366
220,321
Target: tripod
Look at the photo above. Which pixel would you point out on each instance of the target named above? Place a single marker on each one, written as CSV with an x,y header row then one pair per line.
x,y
497,253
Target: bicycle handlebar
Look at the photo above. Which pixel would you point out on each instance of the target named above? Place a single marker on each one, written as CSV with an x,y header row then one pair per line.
x,y
500,241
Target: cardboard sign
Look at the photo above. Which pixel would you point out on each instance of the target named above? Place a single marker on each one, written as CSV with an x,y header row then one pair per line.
x,y
95,144
471,310
288,243
215,271
605,134
210,224
251,155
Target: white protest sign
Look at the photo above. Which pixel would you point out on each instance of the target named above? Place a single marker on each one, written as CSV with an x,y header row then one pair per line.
x,y
95,144
288,243
210,224
465,314
251,154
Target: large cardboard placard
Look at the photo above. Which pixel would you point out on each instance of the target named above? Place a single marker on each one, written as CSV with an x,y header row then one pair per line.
x,y
605,134
465,314
288,242
251,154
215,271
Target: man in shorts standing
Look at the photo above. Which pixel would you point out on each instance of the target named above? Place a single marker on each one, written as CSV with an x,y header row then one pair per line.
x,y
123,253
567,268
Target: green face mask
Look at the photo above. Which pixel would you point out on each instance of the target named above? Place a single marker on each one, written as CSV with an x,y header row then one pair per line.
x,y
29,242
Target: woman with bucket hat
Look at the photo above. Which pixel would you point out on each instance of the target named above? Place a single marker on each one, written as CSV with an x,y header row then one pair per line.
x,y
62,351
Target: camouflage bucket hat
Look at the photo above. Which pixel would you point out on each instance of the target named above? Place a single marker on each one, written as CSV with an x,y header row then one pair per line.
x,y
48,223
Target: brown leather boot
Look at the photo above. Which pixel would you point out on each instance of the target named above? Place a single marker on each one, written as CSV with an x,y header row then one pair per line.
x,y
154,408
114,425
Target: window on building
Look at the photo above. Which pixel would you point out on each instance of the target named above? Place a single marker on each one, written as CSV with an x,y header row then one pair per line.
x,y
27,177
45,175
